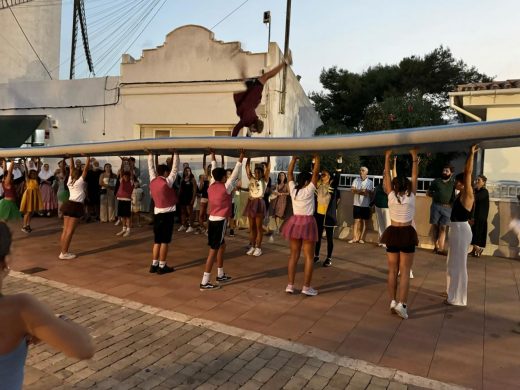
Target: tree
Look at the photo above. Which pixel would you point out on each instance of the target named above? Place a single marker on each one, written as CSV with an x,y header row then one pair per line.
x,y
413,93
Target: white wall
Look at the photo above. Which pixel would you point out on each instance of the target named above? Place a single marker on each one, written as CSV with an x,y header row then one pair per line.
x,y
42,24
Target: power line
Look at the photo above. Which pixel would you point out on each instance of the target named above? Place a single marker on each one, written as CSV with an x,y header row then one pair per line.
x,y
29,42
228,15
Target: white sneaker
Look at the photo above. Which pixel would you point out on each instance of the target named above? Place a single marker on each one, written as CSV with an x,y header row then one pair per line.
x,y
393,304
353,241
401,311
257,252
126,233
67,256
250,251
411,274
182,228
289,289
117,223
121,232
190,229
309,291
271,238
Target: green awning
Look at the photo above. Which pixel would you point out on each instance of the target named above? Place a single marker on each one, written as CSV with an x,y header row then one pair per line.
x,y
15,129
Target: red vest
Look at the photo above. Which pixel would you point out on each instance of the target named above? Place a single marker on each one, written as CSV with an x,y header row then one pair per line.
x,y
163,195
219,200
125,189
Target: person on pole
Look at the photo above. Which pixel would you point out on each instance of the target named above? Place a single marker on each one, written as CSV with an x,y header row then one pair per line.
x,y
247,101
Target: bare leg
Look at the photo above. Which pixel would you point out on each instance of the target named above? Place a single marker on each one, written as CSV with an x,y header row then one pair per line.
x,y
393,269
356,228
220,256
308,252
442,237
212,255
435,231
68,231
259,230
405,264
363,226
163,252
155,251
252,231
296,246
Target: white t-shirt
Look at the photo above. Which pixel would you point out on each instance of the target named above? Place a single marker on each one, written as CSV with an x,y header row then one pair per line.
x,y
257,188
303,203
401,207
77,190
358,184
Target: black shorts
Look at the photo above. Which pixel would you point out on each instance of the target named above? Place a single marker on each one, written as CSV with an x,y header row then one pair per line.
x,y
216,233
361,212
124,208
404,249
163,227
73,209
400,239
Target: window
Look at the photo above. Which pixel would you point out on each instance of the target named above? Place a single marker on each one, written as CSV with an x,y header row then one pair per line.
x,y
162,133
222,133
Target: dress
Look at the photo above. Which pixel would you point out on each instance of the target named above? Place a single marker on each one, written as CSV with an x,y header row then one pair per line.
x,y
278,205
32,197
8,209
480,218
50,202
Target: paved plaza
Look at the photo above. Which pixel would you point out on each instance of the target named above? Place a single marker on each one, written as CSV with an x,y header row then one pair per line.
x,y
239,334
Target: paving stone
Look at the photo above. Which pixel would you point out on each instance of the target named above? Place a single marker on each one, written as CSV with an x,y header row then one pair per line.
x,y
396,386
339,381
327,370
317,382
379,382
361,379
264,374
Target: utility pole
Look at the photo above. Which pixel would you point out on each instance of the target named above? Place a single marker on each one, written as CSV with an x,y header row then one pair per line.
x,y
286,53
78,17
267,20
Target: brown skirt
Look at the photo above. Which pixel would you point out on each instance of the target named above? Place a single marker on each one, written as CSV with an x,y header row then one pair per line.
x,y
400,236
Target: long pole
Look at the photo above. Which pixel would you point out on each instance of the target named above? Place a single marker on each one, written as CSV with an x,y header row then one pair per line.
x,y
286,52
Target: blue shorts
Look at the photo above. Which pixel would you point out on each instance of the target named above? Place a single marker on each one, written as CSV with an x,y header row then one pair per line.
x,y
439,214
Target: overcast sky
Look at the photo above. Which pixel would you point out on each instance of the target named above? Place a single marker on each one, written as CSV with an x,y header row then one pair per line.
x,y
351,34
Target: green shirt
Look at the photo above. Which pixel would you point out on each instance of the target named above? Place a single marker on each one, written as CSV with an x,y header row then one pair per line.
x,y
380,197
442,191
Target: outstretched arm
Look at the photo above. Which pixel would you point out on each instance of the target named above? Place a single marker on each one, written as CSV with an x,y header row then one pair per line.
x,y
387,185
415,169
85,170
248,168
290,171
273,72
316,170
467,196
267,169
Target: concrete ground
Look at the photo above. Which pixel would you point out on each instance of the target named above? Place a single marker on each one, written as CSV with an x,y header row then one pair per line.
x,y
477,346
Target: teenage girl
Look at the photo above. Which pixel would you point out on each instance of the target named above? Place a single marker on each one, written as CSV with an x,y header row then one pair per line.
x,y
301,229
124,201
74,208
255,209
32,198
8,209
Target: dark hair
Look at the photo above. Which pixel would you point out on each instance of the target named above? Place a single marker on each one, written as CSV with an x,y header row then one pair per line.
x,y
5,241
184,173
258,125
460,178
229,170
484,178
132,159
162,169
401,184
126,173
449,166
260,168
301,179
218,174
284,180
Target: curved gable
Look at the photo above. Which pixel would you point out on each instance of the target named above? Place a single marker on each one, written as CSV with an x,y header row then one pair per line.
x,y
191,53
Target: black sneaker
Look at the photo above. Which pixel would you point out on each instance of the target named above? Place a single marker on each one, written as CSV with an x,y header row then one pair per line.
x,y
165,270
153,268
316,259
209,286
231,234
224,278
327,262
26,229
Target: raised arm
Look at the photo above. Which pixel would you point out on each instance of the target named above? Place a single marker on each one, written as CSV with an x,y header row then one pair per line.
x,y
213,166
467,196
394,167
151,167
271,73
248,168
415,169
290,170
72,166
175,168
387,181
85,170
316,170
230,182
267,169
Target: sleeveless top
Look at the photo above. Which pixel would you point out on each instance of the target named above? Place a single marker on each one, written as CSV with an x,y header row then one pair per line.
x,y
458,212
10,193
257,188
401,207
12,367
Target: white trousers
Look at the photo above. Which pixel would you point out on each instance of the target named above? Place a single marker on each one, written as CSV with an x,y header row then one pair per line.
x,y
457,271
383,219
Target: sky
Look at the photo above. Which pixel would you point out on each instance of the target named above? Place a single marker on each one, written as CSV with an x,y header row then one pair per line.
x,y
350,34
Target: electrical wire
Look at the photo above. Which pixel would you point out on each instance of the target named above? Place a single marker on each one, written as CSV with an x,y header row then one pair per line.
x,y
29,41
228,15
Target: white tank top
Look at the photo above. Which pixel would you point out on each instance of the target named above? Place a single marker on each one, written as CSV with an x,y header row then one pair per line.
x,y
401,207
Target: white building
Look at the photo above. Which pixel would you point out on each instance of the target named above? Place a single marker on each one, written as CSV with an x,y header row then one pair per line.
x,y
42,25
182,88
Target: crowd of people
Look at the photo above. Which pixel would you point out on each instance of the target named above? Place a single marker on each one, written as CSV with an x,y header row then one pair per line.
x,y
80,190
